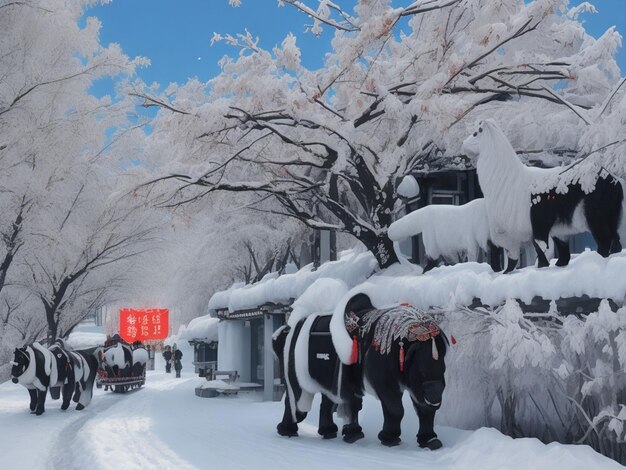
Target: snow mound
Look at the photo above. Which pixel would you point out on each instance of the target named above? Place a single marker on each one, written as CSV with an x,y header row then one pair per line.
x,y
321,297
203,328
85,340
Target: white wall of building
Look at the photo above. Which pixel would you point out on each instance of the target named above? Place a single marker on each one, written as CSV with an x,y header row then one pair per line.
x,y
233,350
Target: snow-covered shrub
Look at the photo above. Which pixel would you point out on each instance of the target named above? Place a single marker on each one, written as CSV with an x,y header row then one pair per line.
x,y
539,375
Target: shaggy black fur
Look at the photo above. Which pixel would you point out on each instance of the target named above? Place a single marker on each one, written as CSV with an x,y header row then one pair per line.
x,y
602,210
422,375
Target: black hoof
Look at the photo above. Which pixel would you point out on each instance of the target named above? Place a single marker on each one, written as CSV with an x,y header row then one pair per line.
x,y
392,442
432,444
328,432
287,430
352,433
562,263
32,412
353,437
388,439
80,406
65,406
39,413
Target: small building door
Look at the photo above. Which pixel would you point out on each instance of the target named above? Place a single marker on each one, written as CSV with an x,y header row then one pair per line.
x,y
256,350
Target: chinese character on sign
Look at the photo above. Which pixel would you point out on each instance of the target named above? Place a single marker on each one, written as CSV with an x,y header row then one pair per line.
x,y
143,324
131,332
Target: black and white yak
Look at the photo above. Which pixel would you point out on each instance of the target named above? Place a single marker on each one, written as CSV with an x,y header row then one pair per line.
x,y
520,212
393,350
117,360
39,369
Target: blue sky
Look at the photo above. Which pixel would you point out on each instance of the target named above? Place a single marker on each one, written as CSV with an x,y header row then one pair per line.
x,y
175,34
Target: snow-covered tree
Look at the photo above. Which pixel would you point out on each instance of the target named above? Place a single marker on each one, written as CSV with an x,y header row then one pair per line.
x,y
398,93
59,163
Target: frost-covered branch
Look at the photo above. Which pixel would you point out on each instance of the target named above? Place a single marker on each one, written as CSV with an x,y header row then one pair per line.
x,y
424,6
322,15
150,101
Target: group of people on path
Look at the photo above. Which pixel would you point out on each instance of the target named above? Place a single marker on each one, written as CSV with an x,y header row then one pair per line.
x,y
173,355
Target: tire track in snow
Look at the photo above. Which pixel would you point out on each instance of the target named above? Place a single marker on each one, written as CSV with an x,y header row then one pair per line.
x,y
64,446
118,433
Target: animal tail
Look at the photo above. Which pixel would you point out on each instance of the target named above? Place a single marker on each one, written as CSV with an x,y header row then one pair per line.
x,y
278,340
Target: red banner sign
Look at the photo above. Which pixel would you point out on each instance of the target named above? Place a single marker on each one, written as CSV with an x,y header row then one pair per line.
x,y
144,324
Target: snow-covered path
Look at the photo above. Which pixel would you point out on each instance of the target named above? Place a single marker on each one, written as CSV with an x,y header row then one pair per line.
x,y
165,426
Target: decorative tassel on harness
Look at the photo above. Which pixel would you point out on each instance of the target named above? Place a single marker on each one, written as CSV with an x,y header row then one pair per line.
x,y
401,356
435,352
354,357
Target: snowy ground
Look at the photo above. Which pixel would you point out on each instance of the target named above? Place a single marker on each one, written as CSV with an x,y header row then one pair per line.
x,y
165,426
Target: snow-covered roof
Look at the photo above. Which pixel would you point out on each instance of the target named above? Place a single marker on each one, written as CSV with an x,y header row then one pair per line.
x,y
351,267
200,328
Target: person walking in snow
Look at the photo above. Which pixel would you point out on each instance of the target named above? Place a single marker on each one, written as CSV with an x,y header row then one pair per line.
x,y
178,355
167,355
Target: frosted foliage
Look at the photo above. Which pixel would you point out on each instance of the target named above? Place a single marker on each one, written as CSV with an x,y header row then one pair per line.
x,y
543,373
403,84
516,342
288,55
66,230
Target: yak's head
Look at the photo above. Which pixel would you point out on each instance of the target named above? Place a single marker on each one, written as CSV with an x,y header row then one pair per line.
x,y
20,362
425,367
